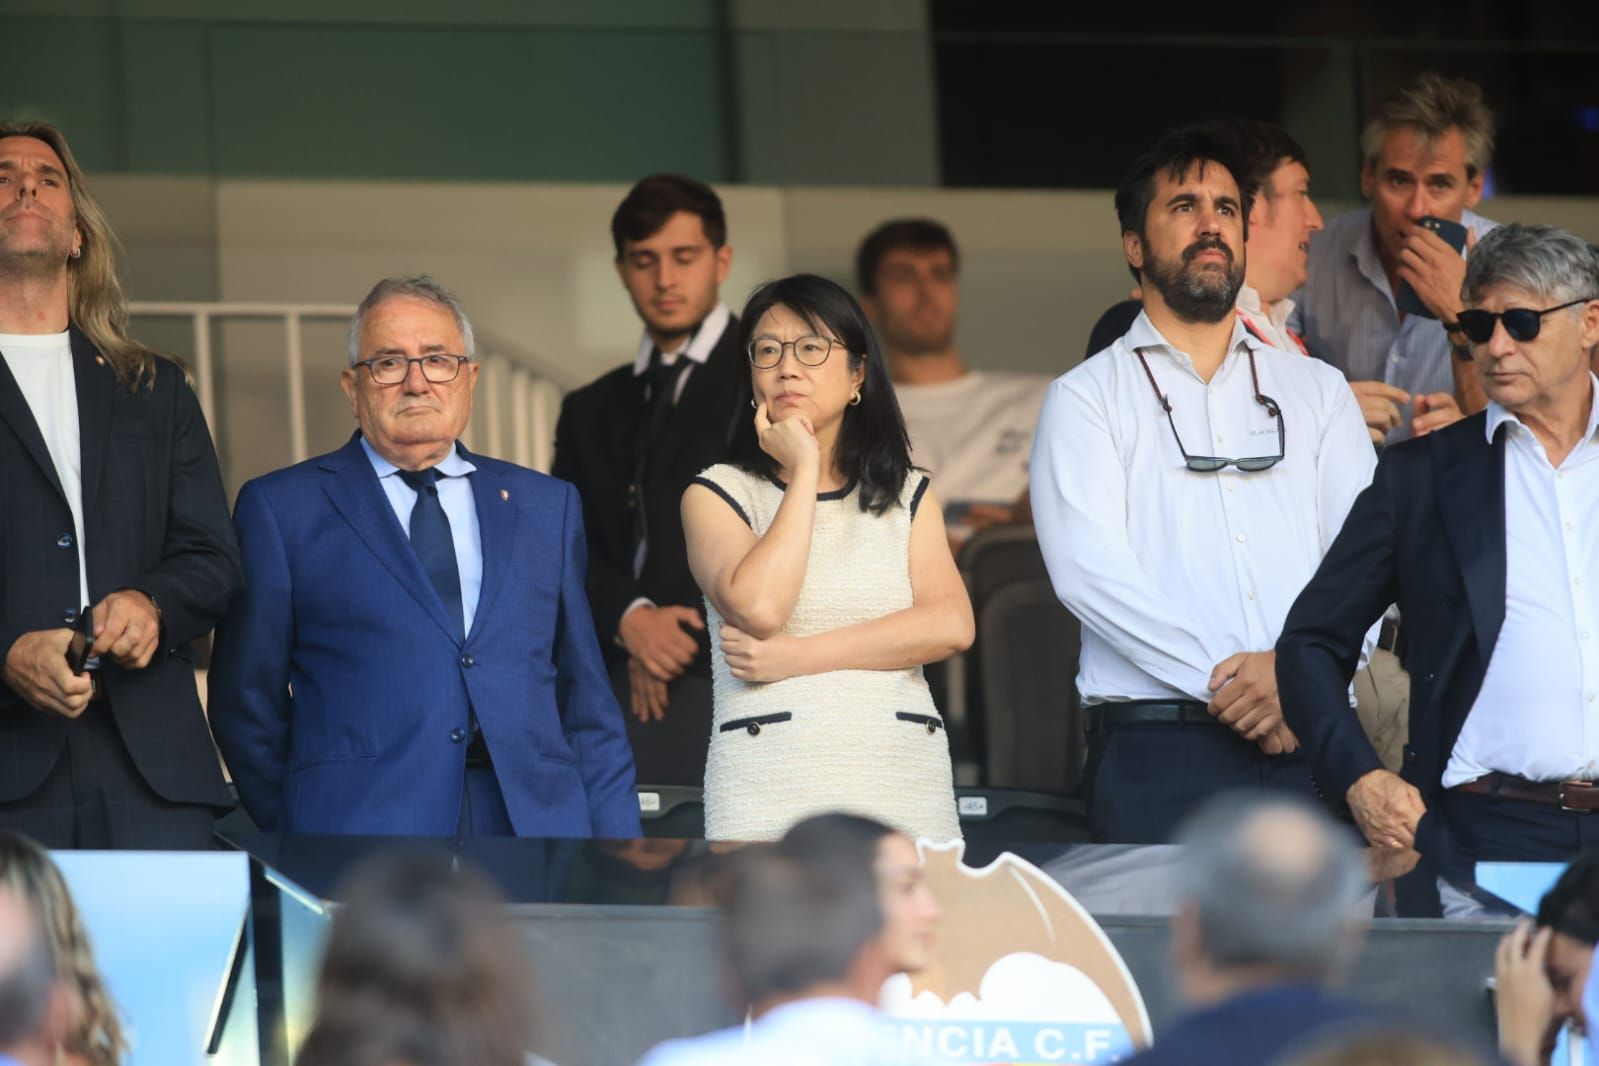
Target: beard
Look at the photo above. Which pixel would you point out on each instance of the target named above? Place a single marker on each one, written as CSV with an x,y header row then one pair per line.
x,y
1202,294
35,258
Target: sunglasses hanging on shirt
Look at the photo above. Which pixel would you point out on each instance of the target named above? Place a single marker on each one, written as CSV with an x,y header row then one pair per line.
x,y
1209,464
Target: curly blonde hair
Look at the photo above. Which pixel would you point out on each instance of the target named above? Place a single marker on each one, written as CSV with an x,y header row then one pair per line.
x,y
26,870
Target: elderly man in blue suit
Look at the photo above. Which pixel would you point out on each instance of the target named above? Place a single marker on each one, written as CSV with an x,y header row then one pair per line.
x,y
413,653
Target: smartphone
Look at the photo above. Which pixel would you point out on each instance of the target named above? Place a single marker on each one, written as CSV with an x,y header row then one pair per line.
x,y
1454,235
82,641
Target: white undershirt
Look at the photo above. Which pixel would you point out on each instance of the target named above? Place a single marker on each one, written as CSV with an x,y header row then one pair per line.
x,y
1537,714
42,365
1172,571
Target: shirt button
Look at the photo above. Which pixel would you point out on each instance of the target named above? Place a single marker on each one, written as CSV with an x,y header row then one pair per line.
x,y
1250,594
457,735
467,662
1240,538
64,540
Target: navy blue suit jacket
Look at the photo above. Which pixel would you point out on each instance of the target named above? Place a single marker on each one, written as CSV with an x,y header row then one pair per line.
x,y
1429,535
1256,1028
340,695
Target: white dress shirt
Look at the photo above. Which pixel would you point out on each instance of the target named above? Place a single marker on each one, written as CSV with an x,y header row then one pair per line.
x,y
42,365
1270,324
1172,571
460,507
1537,713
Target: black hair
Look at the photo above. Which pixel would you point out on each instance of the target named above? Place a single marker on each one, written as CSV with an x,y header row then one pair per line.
x,y
1173,155
1571,908
873,451
913,234
1260,148
655,199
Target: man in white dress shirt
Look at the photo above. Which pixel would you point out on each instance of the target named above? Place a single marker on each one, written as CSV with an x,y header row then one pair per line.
x,y
1483,532
1185,484
814,926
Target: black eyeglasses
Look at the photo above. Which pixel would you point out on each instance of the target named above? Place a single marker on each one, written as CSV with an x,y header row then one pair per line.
x,y
1522,323
393,369
765,352
1209,464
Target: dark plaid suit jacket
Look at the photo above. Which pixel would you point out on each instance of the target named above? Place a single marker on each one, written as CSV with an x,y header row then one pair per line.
x,y
155,519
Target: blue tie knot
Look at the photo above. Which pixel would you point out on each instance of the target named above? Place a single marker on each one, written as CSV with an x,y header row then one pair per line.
x,y
421,480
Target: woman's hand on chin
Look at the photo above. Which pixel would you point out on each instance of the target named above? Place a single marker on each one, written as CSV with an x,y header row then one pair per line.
x,y
790,440
758,661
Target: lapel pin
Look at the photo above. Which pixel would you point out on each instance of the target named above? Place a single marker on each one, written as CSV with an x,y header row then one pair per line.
x,y
99,360
505,494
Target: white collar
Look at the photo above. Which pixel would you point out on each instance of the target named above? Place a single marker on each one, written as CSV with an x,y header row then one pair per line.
x,y
700,343
1498,415
1250,303
1143,334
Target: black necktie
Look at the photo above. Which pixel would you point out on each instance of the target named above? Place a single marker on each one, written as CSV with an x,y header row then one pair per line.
x,y
660,394
432,542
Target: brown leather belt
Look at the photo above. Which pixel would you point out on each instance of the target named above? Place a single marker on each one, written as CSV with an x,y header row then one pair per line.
x,y
1580,796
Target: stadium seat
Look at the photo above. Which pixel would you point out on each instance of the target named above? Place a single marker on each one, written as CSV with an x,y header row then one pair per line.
x,y
674,811
1020,816
1027,662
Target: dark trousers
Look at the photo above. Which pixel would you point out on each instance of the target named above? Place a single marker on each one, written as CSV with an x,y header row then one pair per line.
x,y
1490,829
483,812
671,751
1143,780
95,797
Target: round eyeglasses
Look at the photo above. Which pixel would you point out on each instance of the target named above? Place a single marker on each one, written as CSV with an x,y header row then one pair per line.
x,y
1522,323
393,369
765,353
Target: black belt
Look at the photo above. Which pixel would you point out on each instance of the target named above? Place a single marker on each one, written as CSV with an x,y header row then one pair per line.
x,y
477,753
1103,716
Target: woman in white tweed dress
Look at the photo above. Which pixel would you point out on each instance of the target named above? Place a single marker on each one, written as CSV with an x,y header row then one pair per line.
x,y
828,583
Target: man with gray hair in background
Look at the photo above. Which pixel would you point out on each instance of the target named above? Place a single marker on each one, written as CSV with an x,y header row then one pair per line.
x,y
413,652
1483,533
33,1005
1266,922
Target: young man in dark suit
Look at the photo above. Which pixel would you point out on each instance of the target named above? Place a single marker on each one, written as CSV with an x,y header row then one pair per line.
x,y
632,441
111,503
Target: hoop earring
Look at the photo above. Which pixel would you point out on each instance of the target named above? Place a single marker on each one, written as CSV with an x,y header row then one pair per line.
x,y
76,252
855,400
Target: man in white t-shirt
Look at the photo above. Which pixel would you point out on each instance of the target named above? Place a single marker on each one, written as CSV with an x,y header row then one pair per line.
x,y
113,508
972,429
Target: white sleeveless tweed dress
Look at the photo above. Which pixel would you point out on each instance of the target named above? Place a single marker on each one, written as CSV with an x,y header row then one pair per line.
x,y
865,741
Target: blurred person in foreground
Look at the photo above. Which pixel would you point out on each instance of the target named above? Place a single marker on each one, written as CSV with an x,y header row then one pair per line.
x,y
1425,154
413,652
829,584
632,441
971,429
423,969
1482,533
814,925
1543,971
93,1032
1185,484
1389,1047
111,506
1266,924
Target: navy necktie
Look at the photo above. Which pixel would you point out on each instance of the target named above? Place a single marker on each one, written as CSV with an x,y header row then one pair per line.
x,y
432,542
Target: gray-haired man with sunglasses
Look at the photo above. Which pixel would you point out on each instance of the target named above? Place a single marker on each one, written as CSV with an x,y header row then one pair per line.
x,y
1483,533
1185,484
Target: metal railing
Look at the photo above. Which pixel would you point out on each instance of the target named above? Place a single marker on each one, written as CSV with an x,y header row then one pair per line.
x,y
533,391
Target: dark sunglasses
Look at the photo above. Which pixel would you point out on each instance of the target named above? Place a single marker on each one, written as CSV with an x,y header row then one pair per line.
x,y
1521,323
1209,464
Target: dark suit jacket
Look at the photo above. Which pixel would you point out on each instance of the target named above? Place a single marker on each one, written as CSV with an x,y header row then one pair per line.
x,y
595,449
1428,534
341,693
1257,1028
155,518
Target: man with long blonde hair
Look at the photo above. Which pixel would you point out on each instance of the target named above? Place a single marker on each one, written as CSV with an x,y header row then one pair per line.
x,y
116,533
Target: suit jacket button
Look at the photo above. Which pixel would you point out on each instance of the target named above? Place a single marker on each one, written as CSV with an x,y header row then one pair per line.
x,y
932,727
70,615
755,729
457,735
64,541
468,662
